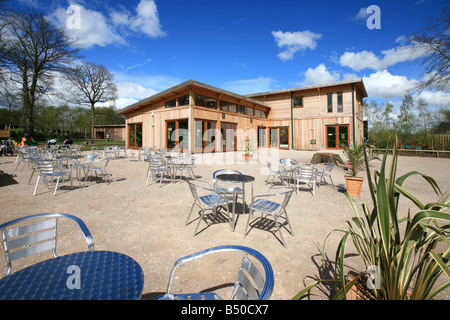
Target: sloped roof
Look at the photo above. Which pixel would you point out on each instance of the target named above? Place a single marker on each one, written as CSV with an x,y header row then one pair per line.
x,y
358,82
189,83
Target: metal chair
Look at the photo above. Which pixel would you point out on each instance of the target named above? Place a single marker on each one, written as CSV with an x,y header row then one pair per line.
x,y
278,172
326,172
157,166
225,187
289,168
250,284
207,198
30,235
307,174
92,165
50,170
273,204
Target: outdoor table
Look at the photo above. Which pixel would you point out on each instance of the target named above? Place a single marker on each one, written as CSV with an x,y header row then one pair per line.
x,y
235,179
103,275
75,163
324,157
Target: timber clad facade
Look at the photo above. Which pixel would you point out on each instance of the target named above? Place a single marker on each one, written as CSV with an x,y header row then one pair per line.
x,y
202,118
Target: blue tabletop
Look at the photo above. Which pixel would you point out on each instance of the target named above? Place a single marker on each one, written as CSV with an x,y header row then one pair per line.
x,y
90,275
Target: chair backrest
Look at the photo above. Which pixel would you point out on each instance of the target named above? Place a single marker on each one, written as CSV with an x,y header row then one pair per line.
x,y
250,283
34,237
307,172
222,171
46,167
286,161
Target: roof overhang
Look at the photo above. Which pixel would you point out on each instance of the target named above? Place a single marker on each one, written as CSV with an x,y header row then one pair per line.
x,y
190,84
359,85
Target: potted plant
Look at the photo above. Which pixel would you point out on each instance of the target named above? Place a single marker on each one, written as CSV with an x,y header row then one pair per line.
x,y
248,147
355,155
406,252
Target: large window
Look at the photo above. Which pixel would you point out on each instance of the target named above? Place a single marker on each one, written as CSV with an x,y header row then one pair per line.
x,y
339,101
330,102
205,136
183,100
262,132
279,137
227,106
135,135
203,101
337,137
228,133
177,134
260,114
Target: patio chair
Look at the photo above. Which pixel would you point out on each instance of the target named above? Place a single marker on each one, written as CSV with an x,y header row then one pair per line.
x,y
30,235
183,163
326,172
250,284
92,165
275,172
273,204
157,166
49,171
307,174
207,198
289,168
225,187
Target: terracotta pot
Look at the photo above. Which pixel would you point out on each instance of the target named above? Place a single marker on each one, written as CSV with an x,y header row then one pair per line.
x,y
354,185
248,157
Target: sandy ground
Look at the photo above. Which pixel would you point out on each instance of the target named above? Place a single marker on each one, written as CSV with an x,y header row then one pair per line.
x,y
148,222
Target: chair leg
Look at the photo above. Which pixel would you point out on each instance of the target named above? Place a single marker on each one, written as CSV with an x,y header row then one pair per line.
x,y
199,221
189,215
56,187
279,231
37,183
250,214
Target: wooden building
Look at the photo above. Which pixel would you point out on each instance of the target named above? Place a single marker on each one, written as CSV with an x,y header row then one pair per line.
x,y
202,118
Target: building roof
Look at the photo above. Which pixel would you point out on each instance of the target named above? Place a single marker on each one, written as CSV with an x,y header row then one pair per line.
x,y
249,97
190,84
358,82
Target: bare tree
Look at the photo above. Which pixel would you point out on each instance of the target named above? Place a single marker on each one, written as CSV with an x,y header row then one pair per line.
x,y
93,83
434,42
34,51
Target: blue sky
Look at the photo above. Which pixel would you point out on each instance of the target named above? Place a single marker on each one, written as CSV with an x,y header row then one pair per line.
x,y
248,46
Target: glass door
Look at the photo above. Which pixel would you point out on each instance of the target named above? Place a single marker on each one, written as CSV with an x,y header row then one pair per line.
x,y
228,135
279,137
262,132
337,137
205,136
135,135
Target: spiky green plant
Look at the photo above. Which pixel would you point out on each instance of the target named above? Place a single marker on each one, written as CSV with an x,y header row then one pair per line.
x,y
410,253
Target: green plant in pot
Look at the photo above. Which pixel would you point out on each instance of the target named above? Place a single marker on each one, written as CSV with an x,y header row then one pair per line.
x,y
355,155
409,251
249,150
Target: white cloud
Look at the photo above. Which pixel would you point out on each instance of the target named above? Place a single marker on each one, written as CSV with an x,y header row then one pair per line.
x,y
438,98
147,19
368,60
91,29
361,15
320,74
95,28
384,85
294,42
248,86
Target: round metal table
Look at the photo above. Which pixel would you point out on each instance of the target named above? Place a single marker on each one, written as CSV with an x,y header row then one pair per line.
x,y
90,275
234,179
